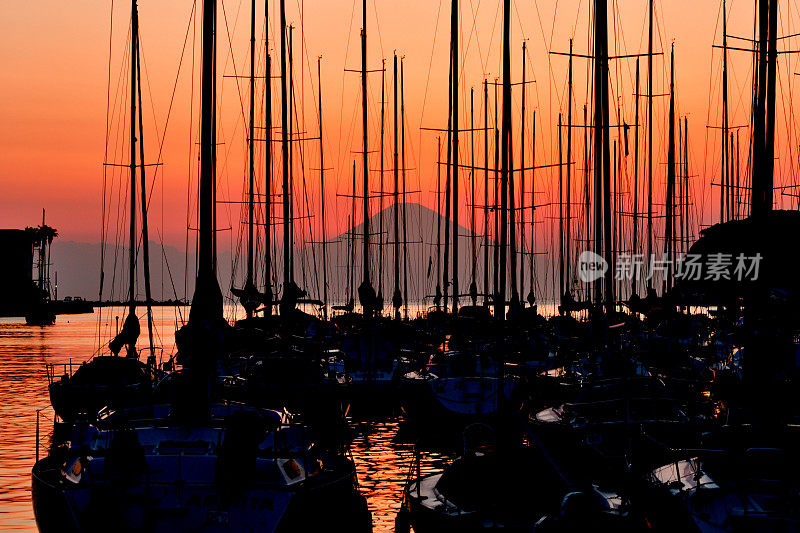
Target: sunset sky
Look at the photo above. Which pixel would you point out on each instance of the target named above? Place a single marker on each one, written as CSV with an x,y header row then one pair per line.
x,y
55,103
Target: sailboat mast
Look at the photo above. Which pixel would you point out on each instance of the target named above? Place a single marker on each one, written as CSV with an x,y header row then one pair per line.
x,y
380,205
772,65
607,215
602,155
635,246
454,89
738,190
485,192
131,321
615,155
352,269
764,123
679,237
522,180
207,300
586,185
403,159
560,215
685,208
322,196
133,207
473,288
725,163
214,143
365,251
148,296
251,160
567,192
618,193
512,222
731,190
290,80
447,186
650,139
669,227
397,299
496,247
438,292
598,146
288,275
504,168
531,296
268,174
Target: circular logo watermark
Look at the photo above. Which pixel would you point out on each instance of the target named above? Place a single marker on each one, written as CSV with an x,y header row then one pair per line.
x,y
591,266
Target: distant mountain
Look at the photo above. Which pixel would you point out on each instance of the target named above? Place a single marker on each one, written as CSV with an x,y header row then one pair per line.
x,y
420,232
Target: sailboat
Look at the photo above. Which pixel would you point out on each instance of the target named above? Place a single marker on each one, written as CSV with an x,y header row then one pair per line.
x,y
112,378
457,388
191,459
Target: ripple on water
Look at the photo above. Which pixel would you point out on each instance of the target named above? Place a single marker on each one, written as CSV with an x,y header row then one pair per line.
x,y
383,463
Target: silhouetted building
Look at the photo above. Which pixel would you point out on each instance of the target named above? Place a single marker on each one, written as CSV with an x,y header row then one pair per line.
x,y
18,291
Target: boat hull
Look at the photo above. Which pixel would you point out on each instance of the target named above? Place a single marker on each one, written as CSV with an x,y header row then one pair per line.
x,y
453,402
318,504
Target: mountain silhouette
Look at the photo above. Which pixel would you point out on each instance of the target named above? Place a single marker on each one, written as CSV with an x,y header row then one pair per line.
x,y
345,264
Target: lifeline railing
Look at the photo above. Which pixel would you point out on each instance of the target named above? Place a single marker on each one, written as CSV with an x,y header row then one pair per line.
x,y
38,432
50,368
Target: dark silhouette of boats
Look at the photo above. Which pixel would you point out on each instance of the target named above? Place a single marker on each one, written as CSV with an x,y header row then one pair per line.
x,y
239,468
103,381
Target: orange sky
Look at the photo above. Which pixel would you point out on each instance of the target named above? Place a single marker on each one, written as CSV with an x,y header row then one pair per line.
x,y
53,95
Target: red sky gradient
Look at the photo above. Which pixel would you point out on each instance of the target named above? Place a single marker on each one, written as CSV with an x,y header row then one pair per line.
x,y
55,75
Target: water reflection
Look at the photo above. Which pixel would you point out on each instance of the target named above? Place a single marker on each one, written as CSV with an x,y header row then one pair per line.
x,y
23,389
383,461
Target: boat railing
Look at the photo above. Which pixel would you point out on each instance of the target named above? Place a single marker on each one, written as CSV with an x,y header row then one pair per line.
x,y
415,469
38,436
418,468
51,369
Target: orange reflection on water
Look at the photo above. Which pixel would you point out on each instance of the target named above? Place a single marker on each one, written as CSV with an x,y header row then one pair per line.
x,y
25,352
383,462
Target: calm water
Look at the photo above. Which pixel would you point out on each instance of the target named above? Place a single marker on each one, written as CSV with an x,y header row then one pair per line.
x,y
383,461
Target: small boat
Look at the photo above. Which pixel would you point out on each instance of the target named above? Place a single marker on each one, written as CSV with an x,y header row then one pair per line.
x,y
610,417
481,492
516,491
40,315
374,369
456,389
747,480
238,469
103,381
115,380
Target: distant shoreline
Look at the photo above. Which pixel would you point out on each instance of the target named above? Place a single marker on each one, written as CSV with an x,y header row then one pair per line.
x,y
154,303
